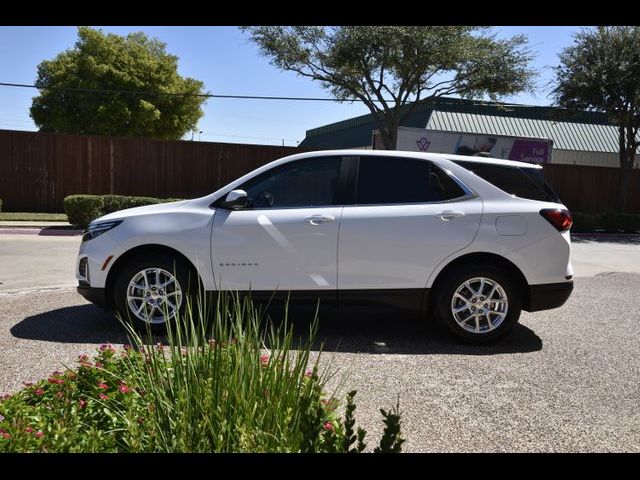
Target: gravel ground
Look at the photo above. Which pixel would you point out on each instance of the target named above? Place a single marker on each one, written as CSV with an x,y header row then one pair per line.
x,y
565,380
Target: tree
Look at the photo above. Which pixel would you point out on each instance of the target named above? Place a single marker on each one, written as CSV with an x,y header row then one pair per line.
x,y
601,72
391,69
117,67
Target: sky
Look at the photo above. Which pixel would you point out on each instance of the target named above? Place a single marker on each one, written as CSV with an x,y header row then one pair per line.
x,y
228,63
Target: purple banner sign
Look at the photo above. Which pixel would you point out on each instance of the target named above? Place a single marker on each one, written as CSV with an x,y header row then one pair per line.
x,y
531,151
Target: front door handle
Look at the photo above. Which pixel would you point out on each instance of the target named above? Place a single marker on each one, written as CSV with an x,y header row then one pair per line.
x,y
447,215
318,219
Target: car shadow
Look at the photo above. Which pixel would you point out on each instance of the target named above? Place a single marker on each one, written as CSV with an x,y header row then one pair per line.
x,y
405,335
622,238
374,334
76,324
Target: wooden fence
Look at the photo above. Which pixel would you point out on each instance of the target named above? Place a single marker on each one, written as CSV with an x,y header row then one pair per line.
x,y
37,170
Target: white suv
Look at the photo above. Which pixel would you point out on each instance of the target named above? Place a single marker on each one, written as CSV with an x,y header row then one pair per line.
x,y
476,239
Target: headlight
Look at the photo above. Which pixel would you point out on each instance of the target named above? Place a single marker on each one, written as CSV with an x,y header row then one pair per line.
x,y
96,229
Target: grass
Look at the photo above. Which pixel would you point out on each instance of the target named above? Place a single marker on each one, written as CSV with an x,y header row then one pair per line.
x,y
33,217
225,382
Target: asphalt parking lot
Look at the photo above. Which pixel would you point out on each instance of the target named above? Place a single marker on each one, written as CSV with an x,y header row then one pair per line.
x,y
565,380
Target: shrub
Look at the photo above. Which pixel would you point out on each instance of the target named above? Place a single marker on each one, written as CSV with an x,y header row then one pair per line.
x,y
82,209
613,222
228,385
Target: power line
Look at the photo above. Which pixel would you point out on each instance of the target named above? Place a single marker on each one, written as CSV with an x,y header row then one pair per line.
x,y
172,94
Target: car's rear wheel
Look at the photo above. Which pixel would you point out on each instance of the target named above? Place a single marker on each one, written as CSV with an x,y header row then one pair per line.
x,y
478,303
152,290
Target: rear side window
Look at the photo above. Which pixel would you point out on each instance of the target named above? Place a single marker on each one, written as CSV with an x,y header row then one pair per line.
x,y
388,180
526,183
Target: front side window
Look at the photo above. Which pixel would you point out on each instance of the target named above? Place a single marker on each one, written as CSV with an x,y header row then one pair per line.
x,y
302,183
389,180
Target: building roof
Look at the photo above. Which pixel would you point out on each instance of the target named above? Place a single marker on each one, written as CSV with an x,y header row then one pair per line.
x,y
584,131
585,137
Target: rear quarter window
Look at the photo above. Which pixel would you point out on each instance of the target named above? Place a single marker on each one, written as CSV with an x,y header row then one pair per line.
x,y
526,183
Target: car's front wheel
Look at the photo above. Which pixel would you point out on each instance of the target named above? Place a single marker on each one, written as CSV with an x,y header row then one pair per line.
x,y
479,303
151,290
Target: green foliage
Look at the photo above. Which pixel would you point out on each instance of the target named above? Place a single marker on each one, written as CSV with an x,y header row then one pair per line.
x,y
82,209
613,222
392,68
133,63
215,387
600,72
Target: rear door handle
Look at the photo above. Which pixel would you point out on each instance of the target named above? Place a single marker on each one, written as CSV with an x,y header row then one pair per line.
x,y
318,219
447,215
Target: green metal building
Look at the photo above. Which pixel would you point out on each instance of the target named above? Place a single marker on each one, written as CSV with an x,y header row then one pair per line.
x,y
579,138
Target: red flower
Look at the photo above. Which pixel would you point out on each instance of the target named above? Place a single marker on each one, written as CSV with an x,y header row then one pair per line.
x,y
103,386
28,430
99,365
128,347
39,434
103,396
264,359
39,392
328,426
82,404
5,435
58,381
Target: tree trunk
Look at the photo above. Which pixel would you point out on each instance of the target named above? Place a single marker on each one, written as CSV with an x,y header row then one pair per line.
x,y
628,147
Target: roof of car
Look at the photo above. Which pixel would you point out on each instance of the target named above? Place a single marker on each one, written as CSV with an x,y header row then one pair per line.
x,y
425,155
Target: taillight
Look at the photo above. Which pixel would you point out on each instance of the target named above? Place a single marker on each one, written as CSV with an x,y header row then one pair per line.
x,y
559,218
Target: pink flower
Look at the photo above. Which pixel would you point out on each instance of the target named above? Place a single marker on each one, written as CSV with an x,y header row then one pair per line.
x,y
56,374
128,347
28,430
82,404
5,435
39,434
264,359
57,381
328,426
39,392
123,388
99,365
308,374
103,386
107,348
103,396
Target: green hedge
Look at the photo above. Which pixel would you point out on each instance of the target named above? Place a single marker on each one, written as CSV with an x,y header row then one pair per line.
x,y
608,222
82,209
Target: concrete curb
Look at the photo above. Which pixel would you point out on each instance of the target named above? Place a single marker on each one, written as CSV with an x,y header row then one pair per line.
x,y
44,232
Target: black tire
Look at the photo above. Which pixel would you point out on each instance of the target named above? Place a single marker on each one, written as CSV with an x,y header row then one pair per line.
x,y
185,275
454,279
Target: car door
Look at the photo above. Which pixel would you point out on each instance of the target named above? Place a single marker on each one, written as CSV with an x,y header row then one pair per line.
x,y
405,217
286,238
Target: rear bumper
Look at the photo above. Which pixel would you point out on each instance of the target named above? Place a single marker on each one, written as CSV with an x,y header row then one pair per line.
x,y
97,296
548,295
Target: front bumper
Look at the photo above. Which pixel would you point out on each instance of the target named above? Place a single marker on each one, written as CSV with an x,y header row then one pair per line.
x,y
548,295
97,296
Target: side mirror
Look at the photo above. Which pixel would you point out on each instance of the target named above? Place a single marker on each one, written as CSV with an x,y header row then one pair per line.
x,y
235,200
